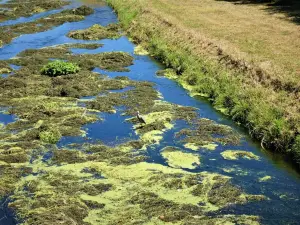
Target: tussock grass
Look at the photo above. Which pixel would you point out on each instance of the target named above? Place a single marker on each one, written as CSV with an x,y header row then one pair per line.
x,y
240,57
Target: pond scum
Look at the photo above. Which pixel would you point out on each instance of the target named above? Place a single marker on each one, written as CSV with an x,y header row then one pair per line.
x,y
94,183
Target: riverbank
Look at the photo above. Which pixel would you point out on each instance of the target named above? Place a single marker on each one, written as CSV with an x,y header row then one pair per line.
x,y
252,83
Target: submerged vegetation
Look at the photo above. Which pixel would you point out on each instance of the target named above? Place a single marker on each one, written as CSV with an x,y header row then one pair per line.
x,y
97,32
206,133
252,92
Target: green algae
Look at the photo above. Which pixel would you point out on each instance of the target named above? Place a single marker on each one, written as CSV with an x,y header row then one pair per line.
x,y
178,159
236,154
195,147
207,134
97,32
140,50
210,146
65,189
130,192
265,178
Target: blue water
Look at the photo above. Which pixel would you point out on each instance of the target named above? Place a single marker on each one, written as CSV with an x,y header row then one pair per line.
x,y
112,129
37,15
6,118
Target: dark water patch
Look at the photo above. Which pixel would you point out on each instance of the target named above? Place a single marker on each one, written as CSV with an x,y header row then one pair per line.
x,y
7,216
111,130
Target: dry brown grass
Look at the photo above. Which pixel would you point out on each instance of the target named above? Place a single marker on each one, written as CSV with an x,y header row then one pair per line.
x,y
245,32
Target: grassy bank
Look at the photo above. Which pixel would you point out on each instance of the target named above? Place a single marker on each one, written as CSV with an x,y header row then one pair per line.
x,y
228,54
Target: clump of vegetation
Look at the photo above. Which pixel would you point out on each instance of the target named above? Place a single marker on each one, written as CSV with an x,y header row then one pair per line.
x,y
235,154
58,68
51,136
83,10
206,132
97,32
83,46
178,159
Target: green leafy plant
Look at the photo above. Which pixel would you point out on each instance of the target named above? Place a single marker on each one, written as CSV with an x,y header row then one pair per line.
x,y
51,136
58,68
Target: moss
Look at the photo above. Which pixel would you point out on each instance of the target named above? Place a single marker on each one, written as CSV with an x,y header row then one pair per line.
x,y
96,32
235,154
178,159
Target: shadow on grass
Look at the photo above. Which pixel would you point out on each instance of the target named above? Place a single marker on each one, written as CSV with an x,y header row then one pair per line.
x,y
291,8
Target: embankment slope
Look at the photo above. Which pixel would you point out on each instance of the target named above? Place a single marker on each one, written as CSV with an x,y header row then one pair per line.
x,y
240,56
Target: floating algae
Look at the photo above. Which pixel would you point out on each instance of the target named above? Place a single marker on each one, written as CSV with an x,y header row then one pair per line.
x,y
178,159
8,33
206,134
195,147
236,154
265,178
97,32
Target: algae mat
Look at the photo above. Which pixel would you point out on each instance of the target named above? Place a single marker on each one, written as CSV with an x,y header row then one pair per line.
x,y
73,152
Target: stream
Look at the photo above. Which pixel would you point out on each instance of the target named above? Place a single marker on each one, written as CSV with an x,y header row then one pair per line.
x,y
282,190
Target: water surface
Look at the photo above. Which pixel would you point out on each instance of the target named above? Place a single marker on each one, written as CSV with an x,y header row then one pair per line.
x,y
283,190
